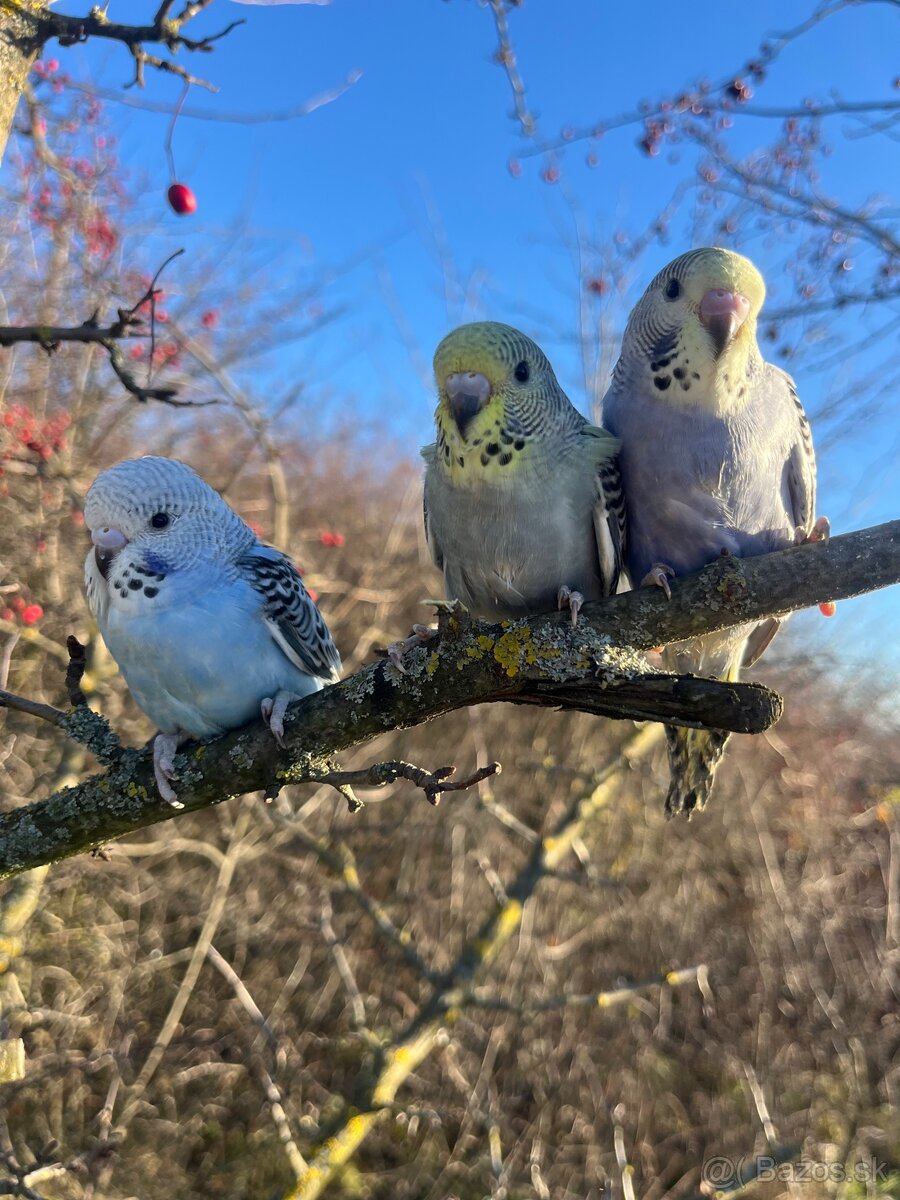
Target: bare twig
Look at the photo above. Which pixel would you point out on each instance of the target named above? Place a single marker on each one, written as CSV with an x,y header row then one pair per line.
x,y
75,671
272,1092
45,712
229,118
341,863
126,325
165,30
506,56
432,783
605,999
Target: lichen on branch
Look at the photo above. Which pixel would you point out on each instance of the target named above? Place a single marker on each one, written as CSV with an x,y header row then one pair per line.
x,y
596,668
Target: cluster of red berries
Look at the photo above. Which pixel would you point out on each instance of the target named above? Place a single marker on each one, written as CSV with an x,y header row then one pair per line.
x,y
28,614
332,539
44,437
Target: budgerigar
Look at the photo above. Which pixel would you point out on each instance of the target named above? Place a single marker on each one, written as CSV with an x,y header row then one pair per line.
x,y
717,457
209,626
523,509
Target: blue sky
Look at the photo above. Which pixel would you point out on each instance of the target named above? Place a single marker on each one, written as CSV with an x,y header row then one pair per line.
x,y
406,175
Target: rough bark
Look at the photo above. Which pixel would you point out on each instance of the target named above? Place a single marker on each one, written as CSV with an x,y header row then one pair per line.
x,y
597,668
19,48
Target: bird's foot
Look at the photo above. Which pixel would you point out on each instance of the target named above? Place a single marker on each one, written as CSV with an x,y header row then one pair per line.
x,y
657,576
567,598
421,635
447,606
820,532
273,709
164,748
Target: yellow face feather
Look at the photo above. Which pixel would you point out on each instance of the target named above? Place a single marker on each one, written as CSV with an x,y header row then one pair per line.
x,y
496,390
692,336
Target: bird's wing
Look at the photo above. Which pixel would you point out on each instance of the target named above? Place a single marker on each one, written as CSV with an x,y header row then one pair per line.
x,y
801,464
609,505
800,473
290,614
429,453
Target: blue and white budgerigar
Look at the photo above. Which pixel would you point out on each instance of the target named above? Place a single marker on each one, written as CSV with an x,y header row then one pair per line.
x,y
209,626
716,458
523,509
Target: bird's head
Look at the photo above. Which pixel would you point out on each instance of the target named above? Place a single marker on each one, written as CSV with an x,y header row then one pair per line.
x,y
692,335
496,392
159,512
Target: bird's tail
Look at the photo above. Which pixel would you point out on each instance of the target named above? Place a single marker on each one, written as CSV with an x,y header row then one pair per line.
x,y
693,757
694,754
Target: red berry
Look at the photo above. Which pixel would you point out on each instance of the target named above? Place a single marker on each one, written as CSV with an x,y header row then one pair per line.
x,y
181,199
8,614
32,614
210,319
828,609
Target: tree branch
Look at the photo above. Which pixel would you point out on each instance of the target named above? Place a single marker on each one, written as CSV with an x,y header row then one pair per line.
x,y
166,31
595,668
128,323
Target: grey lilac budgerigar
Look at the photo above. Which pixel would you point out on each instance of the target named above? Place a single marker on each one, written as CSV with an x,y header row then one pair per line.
x,y
209,626
523,506
717,457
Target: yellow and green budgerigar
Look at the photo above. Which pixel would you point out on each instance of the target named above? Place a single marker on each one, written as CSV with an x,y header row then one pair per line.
x,y
717,457
523,509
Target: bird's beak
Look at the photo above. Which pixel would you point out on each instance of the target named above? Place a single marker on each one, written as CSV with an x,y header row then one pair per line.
x,y
723,313
107,544
467,394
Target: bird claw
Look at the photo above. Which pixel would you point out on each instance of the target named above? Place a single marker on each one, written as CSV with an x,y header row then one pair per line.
x,y
421,635
447,606
273,709
567,598
820,532
164,747
657,576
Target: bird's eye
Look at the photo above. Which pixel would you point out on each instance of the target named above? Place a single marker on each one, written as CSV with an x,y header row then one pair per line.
x,y
521,372
160,520
672,290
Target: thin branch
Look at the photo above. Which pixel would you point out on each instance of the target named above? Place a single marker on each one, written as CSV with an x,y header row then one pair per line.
x,y
189,113
506,56
619,995
432,783
701,97
128,324
45,712
270,1088
341,863
165,30
597,668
